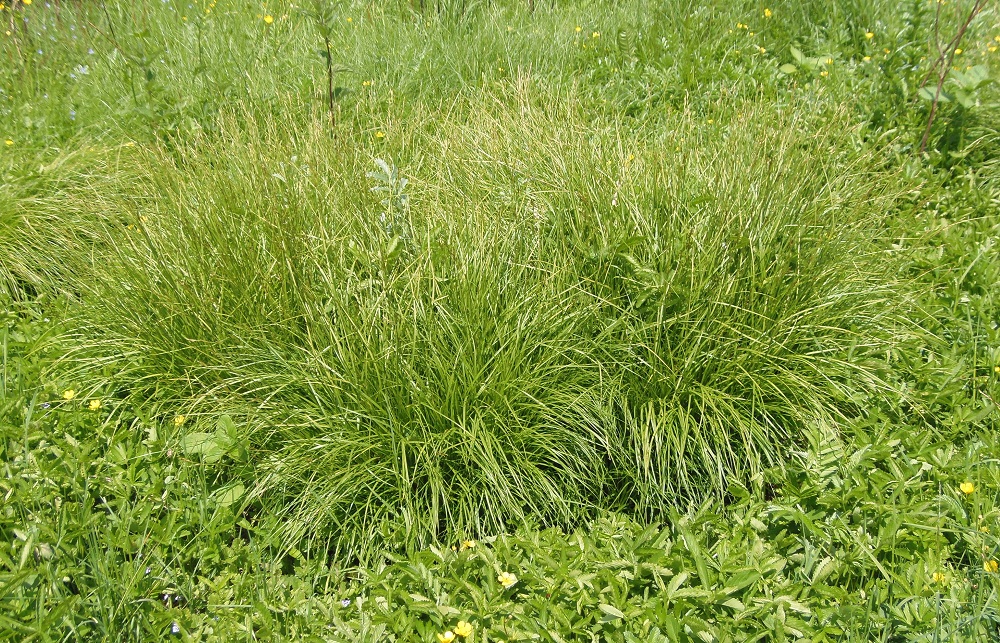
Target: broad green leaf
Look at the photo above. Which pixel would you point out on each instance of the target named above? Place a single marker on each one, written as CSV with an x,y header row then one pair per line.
x,y
229,495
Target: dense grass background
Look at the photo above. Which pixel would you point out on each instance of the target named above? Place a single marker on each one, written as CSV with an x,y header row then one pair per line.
x,y
535,267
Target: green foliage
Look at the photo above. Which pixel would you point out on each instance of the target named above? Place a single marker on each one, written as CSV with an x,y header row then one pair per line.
x,y
654,300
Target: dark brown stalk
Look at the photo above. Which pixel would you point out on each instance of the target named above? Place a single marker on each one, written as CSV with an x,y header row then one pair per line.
x,y
941,65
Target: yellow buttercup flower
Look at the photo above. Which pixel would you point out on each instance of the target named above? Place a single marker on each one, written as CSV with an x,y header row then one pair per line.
x,y
867,59
596,34
507,579
938,577
94,405
824,73
468,544
26,2
578,29
463,629
967,487
446,637
380,134
179,420
69,394
8,142
367,83
991,566
958,52
869,35
268,19
762,50
767,13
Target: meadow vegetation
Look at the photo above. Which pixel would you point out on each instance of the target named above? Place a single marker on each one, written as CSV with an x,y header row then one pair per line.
x,y
499,321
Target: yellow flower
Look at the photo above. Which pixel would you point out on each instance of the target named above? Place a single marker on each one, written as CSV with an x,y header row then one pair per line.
x,y
767,13
69,394
958,52
446,637
468,544
507,579
94,405
349,19
991,566
762,50
578,29
869,35
824,73
829,61
867,59
268,19
887,51
179,420
26,2
367,83
380,134
8,142
992,48
752,33
463,629
996,369
938,577
967,487
985,529
596,34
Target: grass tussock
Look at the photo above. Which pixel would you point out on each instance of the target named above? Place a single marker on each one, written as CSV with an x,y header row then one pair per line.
x,y
547,323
